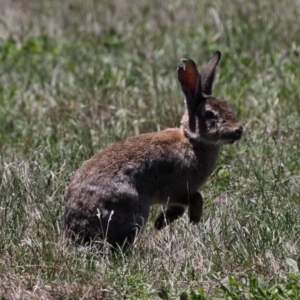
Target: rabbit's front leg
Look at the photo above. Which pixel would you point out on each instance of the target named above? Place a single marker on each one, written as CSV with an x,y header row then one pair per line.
x,y
195,207
169,215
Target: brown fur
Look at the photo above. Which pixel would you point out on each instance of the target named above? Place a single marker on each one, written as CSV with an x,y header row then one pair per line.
x,y
110,196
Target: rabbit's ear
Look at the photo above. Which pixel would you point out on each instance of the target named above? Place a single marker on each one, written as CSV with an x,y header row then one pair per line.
x,y
190,81
209,73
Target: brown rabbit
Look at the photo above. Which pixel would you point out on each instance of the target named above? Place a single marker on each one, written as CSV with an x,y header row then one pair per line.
x,y
109,197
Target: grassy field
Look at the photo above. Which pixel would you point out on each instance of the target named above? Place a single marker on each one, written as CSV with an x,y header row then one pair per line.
x,y
76,76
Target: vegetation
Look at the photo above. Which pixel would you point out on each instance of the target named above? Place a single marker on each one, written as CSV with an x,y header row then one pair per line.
x,y
76,76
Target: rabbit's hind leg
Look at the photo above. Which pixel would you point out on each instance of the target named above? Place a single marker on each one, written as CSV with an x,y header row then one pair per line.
x,y
169,215
124,226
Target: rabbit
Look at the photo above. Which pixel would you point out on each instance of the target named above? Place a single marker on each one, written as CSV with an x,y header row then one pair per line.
x,y
109,196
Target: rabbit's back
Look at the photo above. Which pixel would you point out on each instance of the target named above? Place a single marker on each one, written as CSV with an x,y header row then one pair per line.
x,y
154,164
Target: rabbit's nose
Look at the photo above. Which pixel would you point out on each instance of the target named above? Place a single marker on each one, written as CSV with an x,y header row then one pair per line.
x,y
239,130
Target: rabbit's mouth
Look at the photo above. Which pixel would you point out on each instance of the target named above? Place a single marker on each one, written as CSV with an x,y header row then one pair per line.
x,y
234,138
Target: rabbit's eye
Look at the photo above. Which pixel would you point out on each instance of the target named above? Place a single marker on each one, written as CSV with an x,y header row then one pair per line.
x,y
210,115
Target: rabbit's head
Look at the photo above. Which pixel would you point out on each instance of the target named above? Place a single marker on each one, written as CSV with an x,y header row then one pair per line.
x,y
207,120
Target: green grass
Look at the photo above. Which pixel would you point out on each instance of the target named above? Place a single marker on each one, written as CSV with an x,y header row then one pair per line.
x,y
76,76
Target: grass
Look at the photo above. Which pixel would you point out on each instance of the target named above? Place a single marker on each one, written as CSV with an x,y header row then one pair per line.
x,y
76,76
